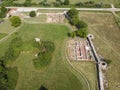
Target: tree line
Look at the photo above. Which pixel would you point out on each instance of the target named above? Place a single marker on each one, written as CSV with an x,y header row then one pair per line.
x,y
74,20
57,3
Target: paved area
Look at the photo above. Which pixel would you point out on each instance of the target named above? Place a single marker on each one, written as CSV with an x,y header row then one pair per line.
x,y
27,9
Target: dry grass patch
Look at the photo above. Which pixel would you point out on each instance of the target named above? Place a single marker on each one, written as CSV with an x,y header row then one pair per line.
x,y
107,42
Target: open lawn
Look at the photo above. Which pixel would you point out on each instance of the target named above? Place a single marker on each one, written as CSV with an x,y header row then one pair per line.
x,y
5,27
58,75
2,35
107,42
40,19
89,70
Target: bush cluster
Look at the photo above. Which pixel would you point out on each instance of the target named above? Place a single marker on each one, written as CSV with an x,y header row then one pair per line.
x,y
91,4
3,12
45,55
16,21
7,78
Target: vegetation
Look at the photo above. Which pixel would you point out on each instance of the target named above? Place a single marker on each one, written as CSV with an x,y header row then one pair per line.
x,y
2,35
72,34
27,3
43,88
81,24
32,14
103,27
72,15
9,76
45,55
14,50
57,70
3,12
88,69
82,32
16,21
66,2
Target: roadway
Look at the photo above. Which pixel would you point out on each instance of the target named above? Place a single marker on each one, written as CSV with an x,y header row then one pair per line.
x,y
27,9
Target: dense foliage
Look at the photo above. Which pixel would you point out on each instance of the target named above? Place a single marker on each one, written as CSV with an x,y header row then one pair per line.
x,y
73,13
81,24
57,3
32,14
82,32
16,21
45,55
27,3
3,12
66,2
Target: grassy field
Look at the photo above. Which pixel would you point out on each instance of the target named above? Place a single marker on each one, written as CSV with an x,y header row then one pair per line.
x,y
2,35
89,70
107,42
58,75
41,19
4,29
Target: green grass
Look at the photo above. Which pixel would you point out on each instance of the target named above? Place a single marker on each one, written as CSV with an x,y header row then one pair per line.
x,y
2,35
107,42
6,27
12,78
56,76
89,70
40,19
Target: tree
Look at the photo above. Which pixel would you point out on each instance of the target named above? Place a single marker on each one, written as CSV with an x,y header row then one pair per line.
x,y
66,2
74,21
16,21
82,32
43,88
72,34
81,24
27,3
73,13
32,14
3,9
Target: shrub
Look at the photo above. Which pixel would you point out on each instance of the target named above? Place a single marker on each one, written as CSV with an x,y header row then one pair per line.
x,y
16,21
45,55
72,34
82,32
81,24
66,2
74,21
32,14
73,13
14,49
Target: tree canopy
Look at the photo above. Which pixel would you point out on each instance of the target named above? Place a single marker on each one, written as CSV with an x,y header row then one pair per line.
x,y
81,24
32,14
16,21
82,32
73,13
66,2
